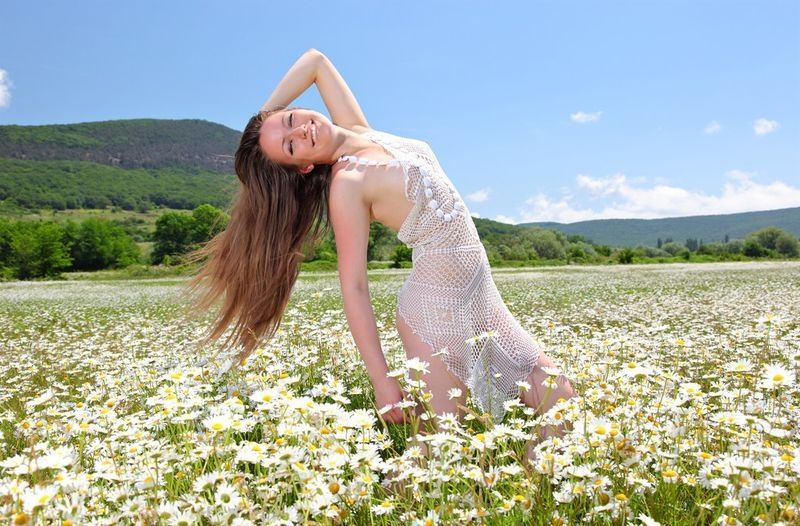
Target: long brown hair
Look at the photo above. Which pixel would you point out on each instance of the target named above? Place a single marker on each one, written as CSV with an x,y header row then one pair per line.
x,y
253,264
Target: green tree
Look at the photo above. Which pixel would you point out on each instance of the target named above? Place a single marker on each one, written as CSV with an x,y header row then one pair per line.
x,y
38,250
516,252
97,244
625,256
208,222
603,250
787,245
768,237
752,248
173,235
92,249
672,248
402,252
6,235
381,242
734,246
546,243
576,252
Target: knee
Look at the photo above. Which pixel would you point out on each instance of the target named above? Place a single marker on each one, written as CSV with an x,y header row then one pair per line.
x,y
565,389
545,393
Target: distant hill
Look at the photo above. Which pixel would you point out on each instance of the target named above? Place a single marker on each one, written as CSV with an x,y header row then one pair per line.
x,y
136,143
132,164
64,185
632,232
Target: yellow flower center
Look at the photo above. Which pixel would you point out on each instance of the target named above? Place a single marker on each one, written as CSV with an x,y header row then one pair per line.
x,y
600,430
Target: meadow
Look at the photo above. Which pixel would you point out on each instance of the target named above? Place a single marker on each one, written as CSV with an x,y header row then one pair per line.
x,y
688,408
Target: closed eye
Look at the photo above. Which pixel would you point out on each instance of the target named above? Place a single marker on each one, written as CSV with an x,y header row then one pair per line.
x,y
291,148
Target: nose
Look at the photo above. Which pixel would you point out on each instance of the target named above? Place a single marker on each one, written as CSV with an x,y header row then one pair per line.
x,y
303,130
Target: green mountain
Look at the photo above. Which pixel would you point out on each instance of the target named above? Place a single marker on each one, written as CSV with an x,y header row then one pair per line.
x,y
133,164
137,143
64,185
708,228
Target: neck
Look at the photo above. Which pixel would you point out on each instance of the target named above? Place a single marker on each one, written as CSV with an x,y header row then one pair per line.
x,y
349,143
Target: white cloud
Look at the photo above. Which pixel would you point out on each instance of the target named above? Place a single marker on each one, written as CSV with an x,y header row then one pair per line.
x,y
739,194
480,196
504,219
585,117
601,186
5,89
542,208
764,126
712,127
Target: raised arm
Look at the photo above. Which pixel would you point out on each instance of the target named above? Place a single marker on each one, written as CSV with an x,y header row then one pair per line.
x,y
313,67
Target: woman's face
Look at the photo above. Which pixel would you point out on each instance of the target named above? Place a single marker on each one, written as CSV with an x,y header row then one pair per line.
x,y
287,138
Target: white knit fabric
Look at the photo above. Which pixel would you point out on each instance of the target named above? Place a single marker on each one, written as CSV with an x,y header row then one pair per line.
x,y
450,299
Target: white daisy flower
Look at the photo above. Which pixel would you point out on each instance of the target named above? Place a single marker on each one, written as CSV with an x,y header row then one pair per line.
x,y
776,376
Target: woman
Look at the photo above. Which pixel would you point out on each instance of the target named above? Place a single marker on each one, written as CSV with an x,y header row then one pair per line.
x,y
300,171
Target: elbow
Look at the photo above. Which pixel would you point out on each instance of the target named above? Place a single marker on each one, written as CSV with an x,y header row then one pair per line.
x,y
352,289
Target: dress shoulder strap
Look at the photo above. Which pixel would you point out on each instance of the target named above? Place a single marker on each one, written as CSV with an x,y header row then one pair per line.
x,y
375,136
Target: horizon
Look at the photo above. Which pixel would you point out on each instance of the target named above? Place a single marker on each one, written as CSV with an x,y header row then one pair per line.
x,y
622,111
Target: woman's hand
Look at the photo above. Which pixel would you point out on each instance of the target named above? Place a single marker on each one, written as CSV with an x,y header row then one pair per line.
x,y
313,67
300,76
388,393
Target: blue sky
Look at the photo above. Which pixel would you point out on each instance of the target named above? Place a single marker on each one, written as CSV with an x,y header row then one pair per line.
x,y
537,111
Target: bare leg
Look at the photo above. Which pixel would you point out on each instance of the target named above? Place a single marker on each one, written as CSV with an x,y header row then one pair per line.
x,y
437,382
541,398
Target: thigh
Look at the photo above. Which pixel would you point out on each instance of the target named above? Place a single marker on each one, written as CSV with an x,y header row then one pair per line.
x,y
439,380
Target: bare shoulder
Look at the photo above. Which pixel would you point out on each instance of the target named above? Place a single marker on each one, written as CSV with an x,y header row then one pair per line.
x,y
347,185
344,171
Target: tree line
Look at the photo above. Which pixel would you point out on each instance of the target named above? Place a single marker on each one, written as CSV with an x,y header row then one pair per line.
x,y
41,249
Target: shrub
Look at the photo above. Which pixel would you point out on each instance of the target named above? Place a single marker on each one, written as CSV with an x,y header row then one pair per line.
x,y
752,248
672,248
625,256
546,244
787,245
735,246
603,250
401,253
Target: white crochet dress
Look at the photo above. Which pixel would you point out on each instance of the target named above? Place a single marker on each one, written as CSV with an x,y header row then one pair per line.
x,y
450,299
